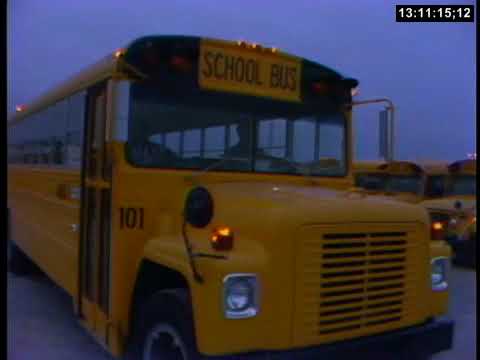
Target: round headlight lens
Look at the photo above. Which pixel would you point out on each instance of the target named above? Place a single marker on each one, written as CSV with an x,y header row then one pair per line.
x,y
239,295
439,274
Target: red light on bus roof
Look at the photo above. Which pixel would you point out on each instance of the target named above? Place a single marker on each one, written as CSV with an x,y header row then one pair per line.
x,y
181,63
19,108
242,43
320,88
255,46
119,53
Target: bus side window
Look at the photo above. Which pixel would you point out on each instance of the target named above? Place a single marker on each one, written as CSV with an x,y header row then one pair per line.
x,y
75,130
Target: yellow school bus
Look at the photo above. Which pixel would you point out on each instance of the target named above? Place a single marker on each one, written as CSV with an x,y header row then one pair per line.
x,y
459,193
382,178
368,175
447,191
461,204
189,194
412,182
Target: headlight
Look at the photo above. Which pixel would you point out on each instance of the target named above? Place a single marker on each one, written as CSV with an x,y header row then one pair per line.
x,y
240,292
439,274
453,222
437,231
438,225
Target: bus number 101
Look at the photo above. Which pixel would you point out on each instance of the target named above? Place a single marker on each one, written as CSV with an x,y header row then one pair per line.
x,y
131,218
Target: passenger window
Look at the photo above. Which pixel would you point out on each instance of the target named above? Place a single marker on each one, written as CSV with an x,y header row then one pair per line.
x,y
52,136
75,130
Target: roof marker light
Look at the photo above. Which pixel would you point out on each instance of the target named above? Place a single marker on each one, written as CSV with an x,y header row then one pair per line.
x,y
19,108
181,63
242,43
320,88
119,53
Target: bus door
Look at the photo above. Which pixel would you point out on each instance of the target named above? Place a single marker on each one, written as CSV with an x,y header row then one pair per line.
x,y
94,262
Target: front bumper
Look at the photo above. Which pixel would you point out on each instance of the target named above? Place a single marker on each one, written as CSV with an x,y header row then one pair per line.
x,y
427,339
464,251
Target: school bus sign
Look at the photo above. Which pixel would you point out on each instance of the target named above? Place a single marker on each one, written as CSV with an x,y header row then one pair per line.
x,y
226,66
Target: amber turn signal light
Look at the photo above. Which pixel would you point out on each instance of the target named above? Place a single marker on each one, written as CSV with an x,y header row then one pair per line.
x,y
438,230
222,239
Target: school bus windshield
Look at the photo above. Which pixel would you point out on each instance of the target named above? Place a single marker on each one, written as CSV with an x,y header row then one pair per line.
x,y
375,182
463,185
408,184
195,132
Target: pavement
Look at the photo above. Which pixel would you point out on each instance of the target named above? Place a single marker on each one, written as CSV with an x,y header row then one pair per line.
x,y
463,310
41,324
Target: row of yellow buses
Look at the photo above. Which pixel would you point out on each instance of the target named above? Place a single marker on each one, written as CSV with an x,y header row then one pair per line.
x,y
195,199
446,190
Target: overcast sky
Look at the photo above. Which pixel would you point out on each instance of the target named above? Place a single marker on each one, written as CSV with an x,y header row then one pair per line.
x,y
428,70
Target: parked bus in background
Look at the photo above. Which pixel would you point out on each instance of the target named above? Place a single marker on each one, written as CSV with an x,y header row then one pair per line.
x,y
368,175
187,193
460,204
447,191
372,176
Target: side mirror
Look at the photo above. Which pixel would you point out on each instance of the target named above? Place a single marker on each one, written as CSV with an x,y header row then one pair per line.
x,y
386,134
198,209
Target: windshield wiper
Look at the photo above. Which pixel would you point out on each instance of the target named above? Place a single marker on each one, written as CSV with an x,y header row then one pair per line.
x,y
212,166
302,169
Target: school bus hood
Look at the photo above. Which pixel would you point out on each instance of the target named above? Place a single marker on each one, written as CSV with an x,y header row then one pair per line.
x,y
286,225
401,196
467,203
315,204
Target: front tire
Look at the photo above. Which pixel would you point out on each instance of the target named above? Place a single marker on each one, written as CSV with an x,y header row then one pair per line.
x,y
165,328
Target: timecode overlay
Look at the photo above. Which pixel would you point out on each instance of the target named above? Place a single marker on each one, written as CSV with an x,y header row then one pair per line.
x,y
435,13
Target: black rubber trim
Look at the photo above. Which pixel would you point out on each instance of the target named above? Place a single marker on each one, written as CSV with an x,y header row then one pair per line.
x,y
427,339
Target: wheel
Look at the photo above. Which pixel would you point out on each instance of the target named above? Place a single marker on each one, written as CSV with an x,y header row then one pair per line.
x,y
165,328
